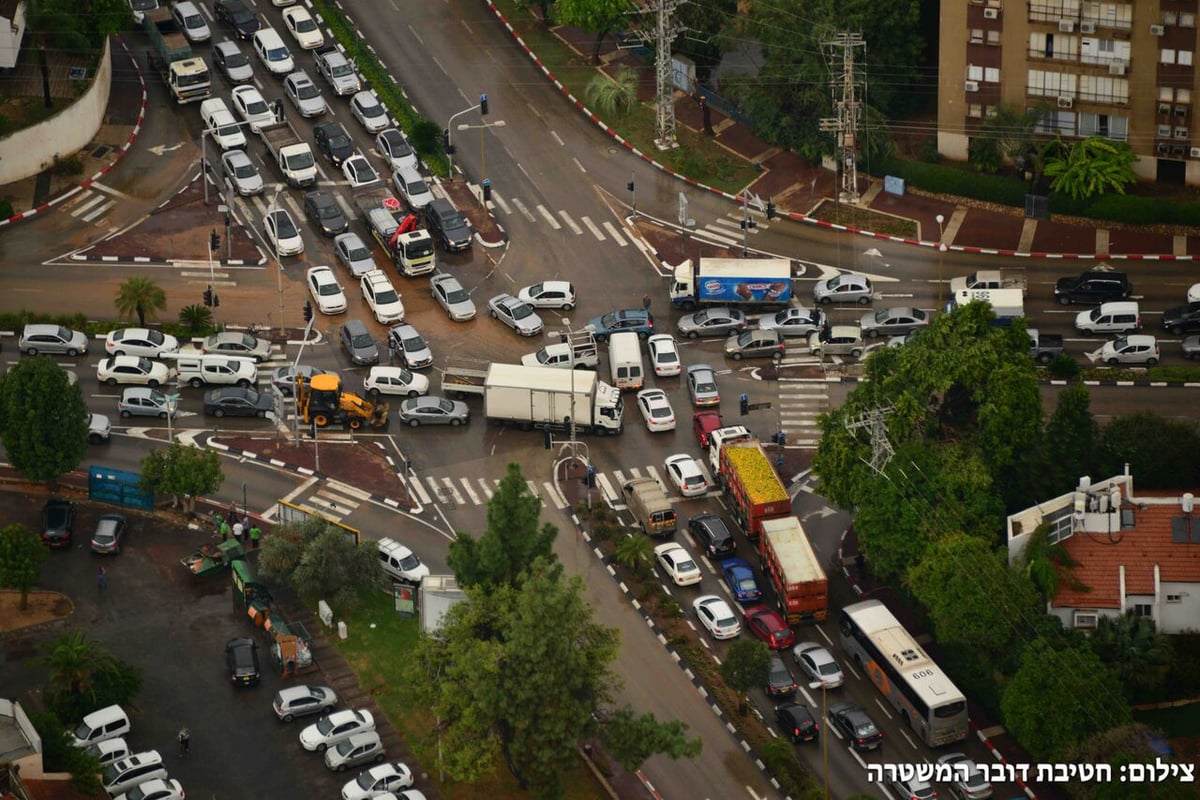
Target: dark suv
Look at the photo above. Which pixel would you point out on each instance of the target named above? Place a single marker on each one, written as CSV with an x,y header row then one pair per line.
x,y
712,535
1182,319
1093,287
58,519
447,225
241,656
325,213
236,15
333,141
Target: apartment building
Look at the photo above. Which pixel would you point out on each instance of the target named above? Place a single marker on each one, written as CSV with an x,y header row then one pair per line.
x,y
1124,70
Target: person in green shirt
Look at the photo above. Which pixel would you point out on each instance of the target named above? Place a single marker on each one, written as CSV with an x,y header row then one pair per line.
x,y
255,534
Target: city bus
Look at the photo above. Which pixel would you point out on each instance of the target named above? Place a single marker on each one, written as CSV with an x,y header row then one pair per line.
x,y
930,705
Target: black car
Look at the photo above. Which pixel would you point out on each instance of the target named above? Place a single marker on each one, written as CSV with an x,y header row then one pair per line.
x,y
780,682
234,401
712,534
236,15
333,141
241,656
58,520
858,727
324,211
797,723
1093,287
1182,319
447,225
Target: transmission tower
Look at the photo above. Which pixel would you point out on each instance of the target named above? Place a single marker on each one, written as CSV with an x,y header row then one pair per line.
x,y
849,108
663,34
875,423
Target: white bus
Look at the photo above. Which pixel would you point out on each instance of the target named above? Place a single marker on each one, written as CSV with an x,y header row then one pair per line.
x,y
928,702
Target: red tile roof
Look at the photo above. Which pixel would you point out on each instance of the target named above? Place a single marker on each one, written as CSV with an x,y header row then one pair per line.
x,y
1139,550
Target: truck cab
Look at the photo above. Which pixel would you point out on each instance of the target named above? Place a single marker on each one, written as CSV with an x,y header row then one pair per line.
x,y
720,437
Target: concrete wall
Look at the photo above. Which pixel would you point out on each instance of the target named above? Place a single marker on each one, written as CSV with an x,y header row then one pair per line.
x,y
29,151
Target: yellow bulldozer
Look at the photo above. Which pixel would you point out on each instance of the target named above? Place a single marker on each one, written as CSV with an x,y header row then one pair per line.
x,y
321,402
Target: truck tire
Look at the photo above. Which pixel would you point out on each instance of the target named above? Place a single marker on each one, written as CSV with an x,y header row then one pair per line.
x,y
195,383
1044,358
354,424
320,420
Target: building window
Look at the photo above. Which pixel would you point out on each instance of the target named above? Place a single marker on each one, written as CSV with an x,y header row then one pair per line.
x,y
1183,96
1106,125
993,37
977,36
1143,610
1174,598
1111,15
974,73
1187,20
991,75
1184,57
990,111
1085,619
1164,131
1166,56
975,110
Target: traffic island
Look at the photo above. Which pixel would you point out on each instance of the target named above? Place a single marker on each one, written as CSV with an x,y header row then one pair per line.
x,y
466,199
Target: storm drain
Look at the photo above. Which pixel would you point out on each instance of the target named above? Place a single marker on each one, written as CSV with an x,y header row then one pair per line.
x,y
101,151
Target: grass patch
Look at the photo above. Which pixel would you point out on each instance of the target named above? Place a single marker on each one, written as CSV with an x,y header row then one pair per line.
x,y
1177,723
378,650
858,217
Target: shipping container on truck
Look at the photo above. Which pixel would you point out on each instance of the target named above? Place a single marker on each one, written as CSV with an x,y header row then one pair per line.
x,y
754,491
790,564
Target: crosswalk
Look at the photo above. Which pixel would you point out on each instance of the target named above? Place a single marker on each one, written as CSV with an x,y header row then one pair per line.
x,y
457,492
800,403
560,220
94,203
728,229
326,498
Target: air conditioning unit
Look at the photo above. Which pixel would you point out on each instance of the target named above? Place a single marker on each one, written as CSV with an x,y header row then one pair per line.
x,y
1157,30
1195,152
1066,102
1087,27
1116,68
972,86
1066,25
991,13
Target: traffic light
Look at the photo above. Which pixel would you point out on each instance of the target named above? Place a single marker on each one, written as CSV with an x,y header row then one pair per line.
x,y
208,296
770,208
749,223
216,300
744,400
487,189
483,105
214,240
446,145
629,186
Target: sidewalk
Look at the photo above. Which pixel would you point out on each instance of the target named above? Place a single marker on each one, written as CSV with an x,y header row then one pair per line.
x,y
797,187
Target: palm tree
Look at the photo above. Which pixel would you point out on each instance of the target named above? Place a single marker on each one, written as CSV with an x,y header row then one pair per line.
x,y
74,664
634,552
195,318
612,96
141,296
1133,646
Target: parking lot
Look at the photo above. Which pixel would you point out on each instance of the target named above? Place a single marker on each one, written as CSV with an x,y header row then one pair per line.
x,y
173,627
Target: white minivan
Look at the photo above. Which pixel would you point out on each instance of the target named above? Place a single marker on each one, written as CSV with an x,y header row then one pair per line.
x,y
220,123
106,723
1121,316
273,53
625,361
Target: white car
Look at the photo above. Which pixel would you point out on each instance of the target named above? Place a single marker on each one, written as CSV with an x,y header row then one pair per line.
x,y
391,145
516,314
1132,349
133,370
377,781
664,355
326,291
282,234
359,172
367,109
251,107
413,188
656,410
969,781
354,254
154,789
677,562
1193,295
241,173
334,728
382,297
686,474
716,616
191,21
549,294
358,749
395,380
303,28
845,288
140,342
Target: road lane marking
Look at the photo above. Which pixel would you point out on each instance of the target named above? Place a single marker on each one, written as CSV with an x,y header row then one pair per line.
x,y
549,217
591,226
570,223
612,231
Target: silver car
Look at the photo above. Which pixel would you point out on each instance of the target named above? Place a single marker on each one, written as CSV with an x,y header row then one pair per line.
x,y
451,296
717,321
283,380
354,254
232,61
367,109
241,173
818,664
793,321
434,410
840,340
702,385
893,321
1191,348
40,338
304,94
237,343
361,748
845,288
392,145
300,701
142,401
411,346
516,314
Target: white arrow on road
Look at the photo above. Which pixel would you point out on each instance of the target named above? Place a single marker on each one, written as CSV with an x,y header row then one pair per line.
x,y
821,513
161,149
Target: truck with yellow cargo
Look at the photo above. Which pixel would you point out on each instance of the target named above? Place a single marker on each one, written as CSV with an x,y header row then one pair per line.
x,y
754,491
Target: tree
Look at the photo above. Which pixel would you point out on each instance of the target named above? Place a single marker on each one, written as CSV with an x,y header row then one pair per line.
x,y
613,96
747,665
634,551
1008,137
21,557
1117,747
545,6
59,753
1070,444
1133,647
600,17
1060,697
1045,564
1091,168
632,738
140,296
512,540
85,676
43,420
183,471
517,673
196,318
317,559
707,22
1160,451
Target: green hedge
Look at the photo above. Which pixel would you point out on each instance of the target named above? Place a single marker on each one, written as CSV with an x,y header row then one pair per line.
x,y
947,180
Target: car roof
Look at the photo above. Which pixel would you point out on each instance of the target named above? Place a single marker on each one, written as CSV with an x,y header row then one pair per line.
x,y
1139,338
844,330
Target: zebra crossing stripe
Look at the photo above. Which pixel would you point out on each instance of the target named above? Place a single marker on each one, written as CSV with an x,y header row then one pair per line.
x,y
92,201
546,215
498,200
591,226
414,486
487,487
521,207
555,495
449,484
606,489
654,474
470,492
575,229
612,231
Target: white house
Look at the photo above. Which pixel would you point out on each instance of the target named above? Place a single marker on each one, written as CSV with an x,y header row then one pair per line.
x,y
1139,553
12,28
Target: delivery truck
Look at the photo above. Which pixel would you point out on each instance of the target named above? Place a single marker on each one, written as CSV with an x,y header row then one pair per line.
x,y
754,491
551,399
791,566
761,282
1008,304
290,152
186,76
989,279
399,234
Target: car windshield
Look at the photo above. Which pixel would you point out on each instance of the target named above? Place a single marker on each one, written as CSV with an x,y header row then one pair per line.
x,y
883,315
242,15
363,340
386,296
371,110
302,160
417,187
701,316
194,21
306,24
328,289
340,140
413,344
358,253
228,130
155,337
398,146
828,668
278,54
307,91
666,355
687,565
747,585
256,107
340,70
235,58
158,399
746,338
328,211
409,562
144,365
365,780
864,729
445,405
245,170
284,225
520,311
455,296
705,385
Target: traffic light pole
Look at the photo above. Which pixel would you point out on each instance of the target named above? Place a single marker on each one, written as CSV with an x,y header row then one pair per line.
x,y
214,241
448,146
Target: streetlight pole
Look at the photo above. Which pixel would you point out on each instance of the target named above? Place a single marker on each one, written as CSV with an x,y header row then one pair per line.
x,y
449,126
482,153
278,262
941,255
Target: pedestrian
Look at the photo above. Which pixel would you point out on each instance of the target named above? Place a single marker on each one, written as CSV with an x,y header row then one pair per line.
x,y
185,741
238,530
646,302
102,579
245,522
233,515
255,535
391,351
224,531
216,521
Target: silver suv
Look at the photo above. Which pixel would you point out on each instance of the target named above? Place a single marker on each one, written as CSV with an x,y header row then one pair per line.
x,y
52,339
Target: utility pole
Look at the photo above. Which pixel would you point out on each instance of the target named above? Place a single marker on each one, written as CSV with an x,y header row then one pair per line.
x,y
849,109
875,423
663,33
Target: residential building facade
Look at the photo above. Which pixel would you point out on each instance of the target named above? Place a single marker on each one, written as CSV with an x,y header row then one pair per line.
x,y
1123,70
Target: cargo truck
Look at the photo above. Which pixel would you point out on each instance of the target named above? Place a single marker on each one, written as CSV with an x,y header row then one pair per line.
x,y
548,399
290,152
1008,304
719,438
762,282
410,248
791,566
187,77
988,279
754,491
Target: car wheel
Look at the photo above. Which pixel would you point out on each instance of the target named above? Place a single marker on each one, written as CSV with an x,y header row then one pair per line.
x,y
153,384
856,353
341,768
1194,356
72,352
1112,362
414,423
378,758
218,412
1044,358
825,301
1150,362
111,381
816,351
692,334
454,423
243,383
1177,330
871,333
95,438
195,383
31,351
643,335
288,718
566,306
1063,300
864,301
126,414
321,748
373,392
162,415
118,352
261,414
414,393
491,313
736,356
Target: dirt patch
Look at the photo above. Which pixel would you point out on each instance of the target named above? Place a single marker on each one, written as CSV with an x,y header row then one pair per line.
x,y
482,222
43,607
668,245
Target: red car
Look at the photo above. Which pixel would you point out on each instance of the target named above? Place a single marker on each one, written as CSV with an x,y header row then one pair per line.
x,y
704,423
767,624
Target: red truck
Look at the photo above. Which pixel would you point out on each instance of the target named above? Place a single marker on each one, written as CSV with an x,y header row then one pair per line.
x,y
754,490
789,563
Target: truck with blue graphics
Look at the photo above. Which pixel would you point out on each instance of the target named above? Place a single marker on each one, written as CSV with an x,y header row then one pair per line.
x,y
737,282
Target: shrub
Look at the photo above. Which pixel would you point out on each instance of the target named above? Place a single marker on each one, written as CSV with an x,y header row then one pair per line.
x,y
67,165
780,757
1063,367
6,209
948,180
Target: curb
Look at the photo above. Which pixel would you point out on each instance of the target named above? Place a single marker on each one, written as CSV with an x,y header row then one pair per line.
x,y
803,218
137,129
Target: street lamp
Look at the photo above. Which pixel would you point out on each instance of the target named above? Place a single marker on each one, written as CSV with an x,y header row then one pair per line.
x,y
278,263
941,253
484,182
449,125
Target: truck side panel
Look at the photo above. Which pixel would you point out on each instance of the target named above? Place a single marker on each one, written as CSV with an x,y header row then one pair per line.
x,y
744,289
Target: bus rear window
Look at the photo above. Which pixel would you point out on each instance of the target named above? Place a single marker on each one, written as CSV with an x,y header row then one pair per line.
x,y
952,710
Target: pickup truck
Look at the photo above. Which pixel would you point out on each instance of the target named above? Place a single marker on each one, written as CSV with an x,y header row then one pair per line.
x,y
290,152
337,69
1044,347
577,350
988,279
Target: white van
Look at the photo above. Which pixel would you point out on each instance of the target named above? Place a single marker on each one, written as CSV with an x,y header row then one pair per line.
x,y
219,122
273,53
98,726
1122,316
625,361
216,370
